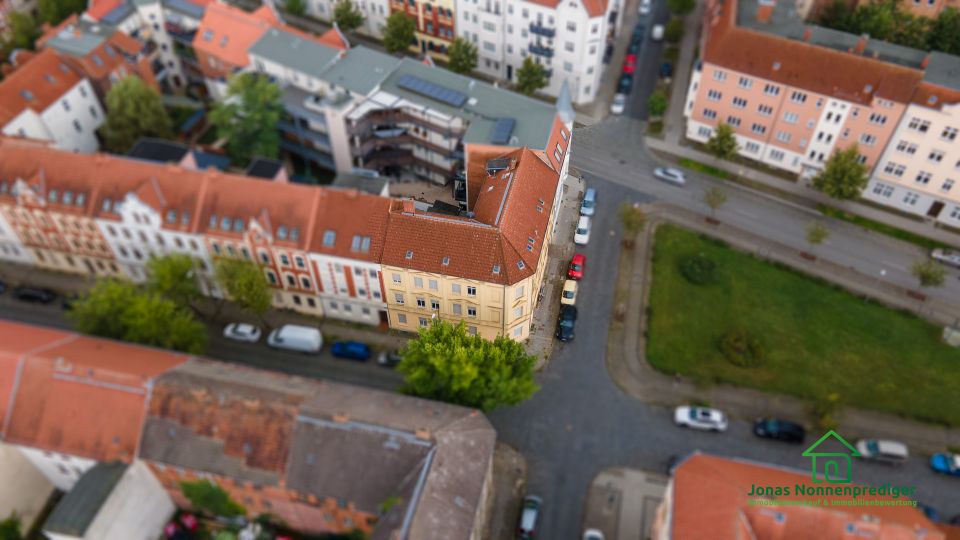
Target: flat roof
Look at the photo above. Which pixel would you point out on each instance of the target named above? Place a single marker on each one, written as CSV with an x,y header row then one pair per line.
x,y
361,70
293,51
76,511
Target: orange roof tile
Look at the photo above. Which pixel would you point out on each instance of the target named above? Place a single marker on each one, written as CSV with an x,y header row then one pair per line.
x,y
79,395
710,501
38,81
98,9
595,8
227,32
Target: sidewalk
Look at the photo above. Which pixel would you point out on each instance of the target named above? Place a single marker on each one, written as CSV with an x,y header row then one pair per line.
x,y
673,129
631,371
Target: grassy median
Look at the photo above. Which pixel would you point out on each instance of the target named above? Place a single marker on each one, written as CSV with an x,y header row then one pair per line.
x,y
815,340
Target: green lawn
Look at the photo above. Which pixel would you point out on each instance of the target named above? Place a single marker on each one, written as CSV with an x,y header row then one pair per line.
x,y
881,228
706,169
818,339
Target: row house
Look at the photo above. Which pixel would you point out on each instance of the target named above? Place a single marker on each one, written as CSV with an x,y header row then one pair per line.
x,y
166,29
375,13
434,24
43,98
320,456
568,38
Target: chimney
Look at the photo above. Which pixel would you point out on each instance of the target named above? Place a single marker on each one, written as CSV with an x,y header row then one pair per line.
x,y
807,33
861,44
765,10
408,206
923,64
341,417
422,434
6,69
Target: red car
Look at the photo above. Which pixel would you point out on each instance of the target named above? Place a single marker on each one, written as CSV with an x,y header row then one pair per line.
x,y
630,64
576,266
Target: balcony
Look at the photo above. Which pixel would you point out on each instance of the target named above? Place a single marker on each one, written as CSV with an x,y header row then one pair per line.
x,y
541,50
305,105
180,34
303,133
159,69
541,30
324,159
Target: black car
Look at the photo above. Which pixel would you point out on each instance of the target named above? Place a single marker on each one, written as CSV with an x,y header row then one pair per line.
x,y
666,70
566,322
638,32
633,48
625,85
781,430
34,294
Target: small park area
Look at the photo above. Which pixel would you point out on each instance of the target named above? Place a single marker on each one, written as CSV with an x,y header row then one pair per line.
x,y
720,315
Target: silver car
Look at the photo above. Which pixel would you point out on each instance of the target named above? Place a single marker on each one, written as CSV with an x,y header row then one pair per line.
x,y
246,333
703,418
618,104
670,174
948,257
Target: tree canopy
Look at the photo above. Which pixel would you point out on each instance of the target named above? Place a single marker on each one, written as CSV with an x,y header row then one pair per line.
x,y
446,363
929,273
681,7
347,16
463,56
23,31
657,103
399,32
206,496
134,110
531,77
247,117
295,7
715,197
55,11
245,284
817,233
174,277
723,144
10,528
843,177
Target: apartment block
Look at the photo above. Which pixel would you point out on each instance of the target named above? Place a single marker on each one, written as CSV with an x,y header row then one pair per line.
x,y
375,13
126,423
567,38
434,21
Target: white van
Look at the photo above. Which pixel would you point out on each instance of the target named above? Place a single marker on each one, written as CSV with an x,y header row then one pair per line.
x,y
656,34
293,337
892,452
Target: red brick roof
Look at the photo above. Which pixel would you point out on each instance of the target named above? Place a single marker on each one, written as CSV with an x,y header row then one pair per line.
x,y
39,80
69,396
595,8
710,502
98,9
227,32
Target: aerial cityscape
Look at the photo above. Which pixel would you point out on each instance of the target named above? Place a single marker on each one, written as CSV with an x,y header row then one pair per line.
x,y
479,269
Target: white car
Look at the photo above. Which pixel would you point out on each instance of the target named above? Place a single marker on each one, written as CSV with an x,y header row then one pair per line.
x,y
582,234
618,104
569,294
246,333
656,33
884,451
948,257
703,418
645,6
669,174
592,534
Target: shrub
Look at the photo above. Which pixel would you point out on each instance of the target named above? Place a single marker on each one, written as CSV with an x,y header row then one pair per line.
x,y
698,269
742,348
674,31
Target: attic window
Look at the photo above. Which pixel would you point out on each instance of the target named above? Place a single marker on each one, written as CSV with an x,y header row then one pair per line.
x,y
410,254
867,89
64,68
67,197
282,232
238,225
207,35
360,243
97,60
563,133
496,269
27,95
932,100
171,216
225,223
294,234
520,265
52,196
445,261
185,218
776,66
530,247
329,237
109,50
3,187
50,78
106,205
116,207
81,198
223,41
540,209
213,221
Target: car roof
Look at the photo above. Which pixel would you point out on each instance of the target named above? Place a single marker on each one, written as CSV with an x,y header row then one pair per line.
x,y
570,285
583,221
579,257
590,193
892,447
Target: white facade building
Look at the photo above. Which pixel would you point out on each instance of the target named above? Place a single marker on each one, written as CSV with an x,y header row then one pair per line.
x,y
366,301
62,470
71,121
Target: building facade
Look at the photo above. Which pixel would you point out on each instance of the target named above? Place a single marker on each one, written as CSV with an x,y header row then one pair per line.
x,y
375,13
434,22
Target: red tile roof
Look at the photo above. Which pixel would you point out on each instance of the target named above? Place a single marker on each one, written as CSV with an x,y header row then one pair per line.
x,y
710,502
70,396
38,81
595,8
98,9
227,32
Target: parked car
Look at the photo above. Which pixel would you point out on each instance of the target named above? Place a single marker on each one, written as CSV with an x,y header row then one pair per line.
x,y
703,418
629,64
577,265
244,332
656,34
666,70
529,515
589,204
669,174
618,104
293,337
569,294
566,323
948,257
628,69
645,6
883,451
946,464
781,430
582,235
633,47
625,84
638,32
389,358
955,520
592,534
351,350
34,294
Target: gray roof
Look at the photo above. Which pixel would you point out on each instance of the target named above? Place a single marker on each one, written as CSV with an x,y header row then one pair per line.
x,y
485,105
80,38
368,184
361,70
943,70
77,509
186,7
294,51
118,14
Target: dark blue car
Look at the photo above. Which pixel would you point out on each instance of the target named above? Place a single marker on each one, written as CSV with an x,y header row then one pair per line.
x,y
352,350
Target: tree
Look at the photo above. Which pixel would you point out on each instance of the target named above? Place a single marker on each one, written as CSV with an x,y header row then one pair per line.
x,y
207,496
134,110
723,144
119,310
174,277
55,11
245,284
445,363
248,118
632,218
10,528
929,273
657,103
944,33
817,234
23,31
674,30
681,7
398,33
843,177
299,7
347,16
463,56
530,77
715,197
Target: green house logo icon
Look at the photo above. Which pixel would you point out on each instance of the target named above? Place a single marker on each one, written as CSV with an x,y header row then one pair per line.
x,y
830,467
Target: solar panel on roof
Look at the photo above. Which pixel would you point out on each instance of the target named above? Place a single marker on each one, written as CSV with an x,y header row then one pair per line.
x,y
502,130
432,91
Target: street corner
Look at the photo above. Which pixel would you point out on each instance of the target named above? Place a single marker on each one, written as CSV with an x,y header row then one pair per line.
x,y
509,486
622,503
